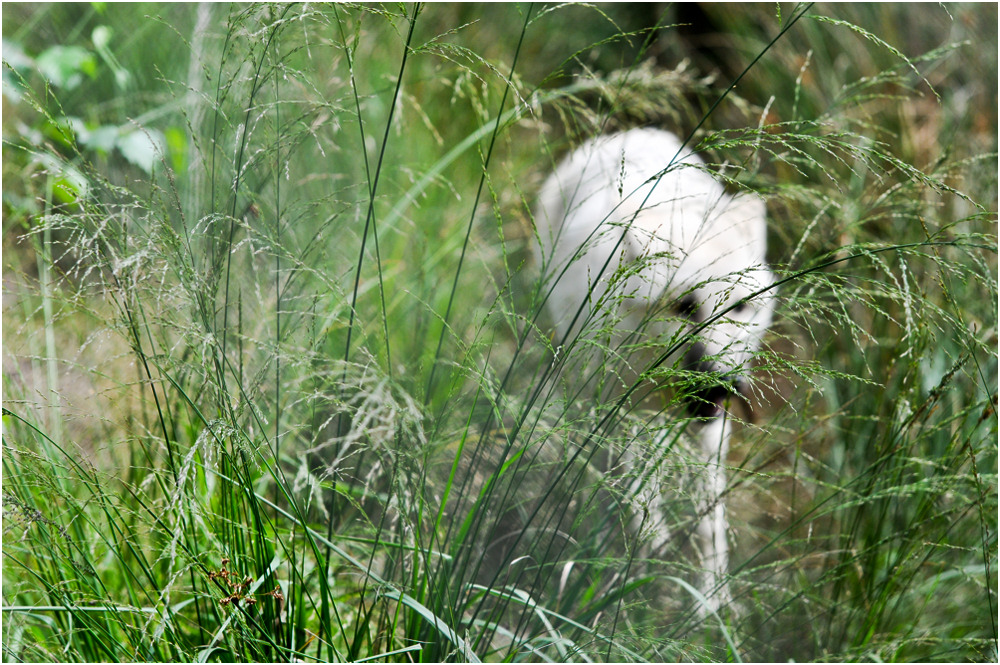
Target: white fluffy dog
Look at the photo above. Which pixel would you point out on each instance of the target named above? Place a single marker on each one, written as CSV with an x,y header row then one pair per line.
x,y
641,245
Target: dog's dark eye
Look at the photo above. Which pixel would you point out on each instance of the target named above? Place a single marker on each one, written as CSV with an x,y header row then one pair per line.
x,y
740,307
687,307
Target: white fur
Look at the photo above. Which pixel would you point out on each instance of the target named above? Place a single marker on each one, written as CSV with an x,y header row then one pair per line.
x,y
631,225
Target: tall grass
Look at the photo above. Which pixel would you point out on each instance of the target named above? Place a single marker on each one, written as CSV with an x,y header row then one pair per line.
x,y
286,391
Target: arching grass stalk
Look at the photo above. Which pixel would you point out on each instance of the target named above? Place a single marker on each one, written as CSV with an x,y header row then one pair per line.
x,y
475,202
258,81
373,180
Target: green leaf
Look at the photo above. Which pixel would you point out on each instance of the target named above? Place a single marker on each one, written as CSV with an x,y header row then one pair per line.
x,y
101,37
14,55
16,59
101,138
64,66
102,42
69,184
177,146
141,147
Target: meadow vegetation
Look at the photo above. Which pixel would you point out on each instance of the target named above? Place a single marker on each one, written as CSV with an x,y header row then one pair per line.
x,y
277,381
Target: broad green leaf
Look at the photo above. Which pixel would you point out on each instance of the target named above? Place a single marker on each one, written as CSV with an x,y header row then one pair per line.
x,y
64,66
142,147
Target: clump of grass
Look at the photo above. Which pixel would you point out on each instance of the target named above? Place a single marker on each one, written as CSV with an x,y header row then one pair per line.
x,y
333,425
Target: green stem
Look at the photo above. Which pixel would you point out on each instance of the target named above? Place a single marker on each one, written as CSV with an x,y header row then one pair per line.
x,y
44,258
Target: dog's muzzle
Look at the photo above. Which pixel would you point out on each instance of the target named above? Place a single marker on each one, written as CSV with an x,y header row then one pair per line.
x,y
708,401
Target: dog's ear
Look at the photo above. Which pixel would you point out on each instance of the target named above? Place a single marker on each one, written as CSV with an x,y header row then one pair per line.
x,y
748,213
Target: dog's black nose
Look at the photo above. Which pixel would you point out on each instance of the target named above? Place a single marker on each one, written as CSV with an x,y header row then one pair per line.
x,y
713,386
707,402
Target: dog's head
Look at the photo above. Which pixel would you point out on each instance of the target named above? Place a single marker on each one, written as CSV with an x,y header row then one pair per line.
x,y
701,287
646,253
